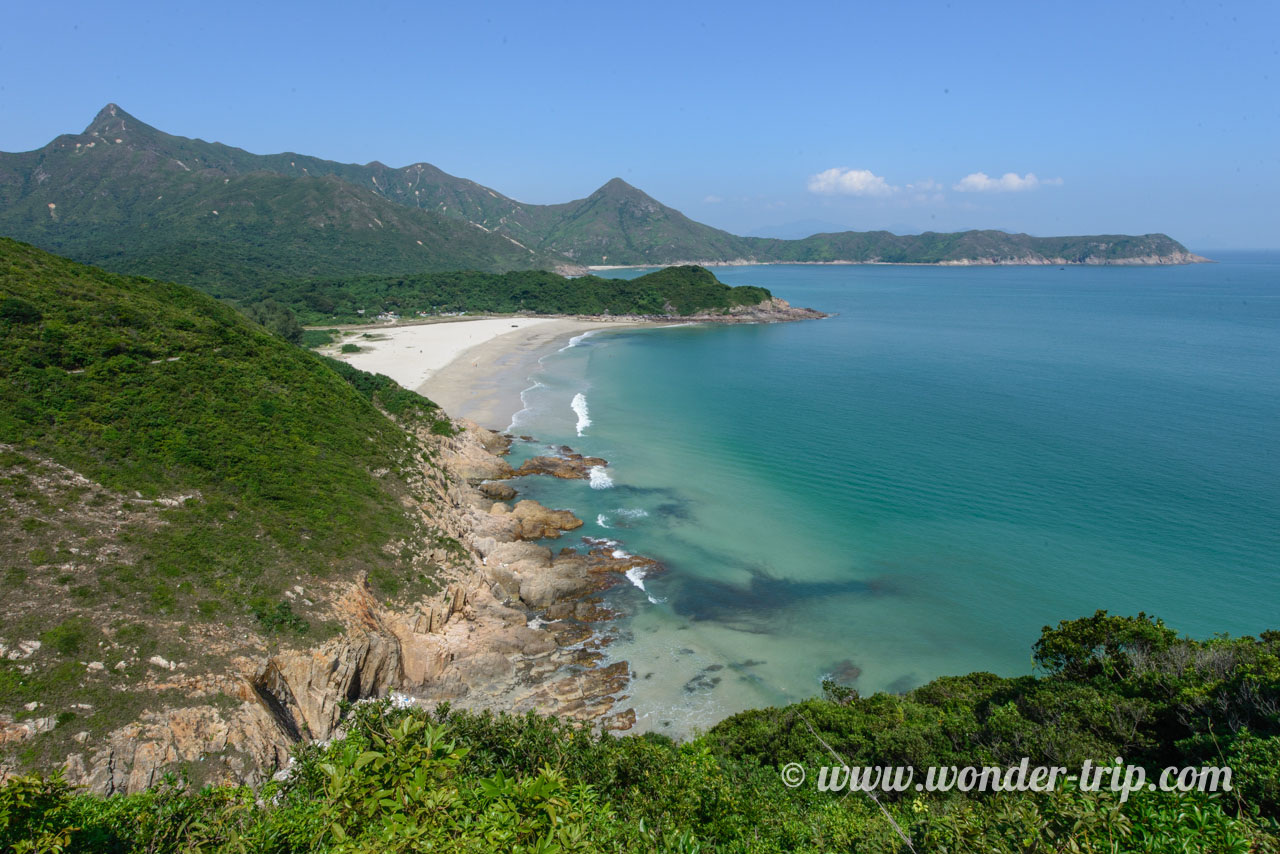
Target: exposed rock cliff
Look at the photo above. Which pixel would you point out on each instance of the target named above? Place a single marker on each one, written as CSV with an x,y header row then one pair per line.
x,y
511,630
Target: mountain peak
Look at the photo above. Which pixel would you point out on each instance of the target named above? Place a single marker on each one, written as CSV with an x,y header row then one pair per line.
x,y
619,190
111,120
617,186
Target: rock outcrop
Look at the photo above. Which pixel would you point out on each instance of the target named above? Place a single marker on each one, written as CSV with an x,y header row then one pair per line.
x,y
529,520
511,630
566,464
773,310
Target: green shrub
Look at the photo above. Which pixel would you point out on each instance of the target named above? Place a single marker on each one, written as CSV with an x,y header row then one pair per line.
x,y
158,389
405,780
16,310
68,637
280,617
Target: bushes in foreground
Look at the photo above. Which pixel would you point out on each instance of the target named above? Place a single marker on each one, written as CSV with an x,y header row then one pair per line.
x,y
412,780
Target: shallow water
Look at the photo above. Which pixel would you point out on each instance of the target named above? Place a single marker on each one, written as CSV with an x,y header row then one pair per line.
x,y
915,487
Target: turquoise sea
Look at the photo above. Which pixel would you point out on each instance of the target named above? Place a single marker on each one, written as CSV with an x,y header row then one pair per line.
x,y
914,487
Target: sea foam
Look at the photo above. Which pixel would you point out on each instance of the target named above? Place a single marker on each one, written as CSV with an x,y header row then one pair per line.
x,y
636,576
577,339
600,478
620,517
579,406
525,406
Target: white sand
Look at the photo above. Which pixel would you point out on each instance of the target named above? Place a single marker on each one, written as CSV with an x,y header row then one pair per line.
x,y
473,367
411,355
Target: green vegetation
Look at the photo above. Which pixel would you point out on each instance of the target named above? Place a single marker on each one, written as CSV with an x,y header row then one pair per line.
x,y
156,389
280,618
313,338
409,780
135,200
670,291
620,224
172,474
277,319
223,219
935,248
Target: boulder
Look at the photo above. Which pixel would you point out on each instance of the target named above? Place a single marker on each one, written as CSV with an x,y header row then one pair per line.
x,y
497,491
537,522
567,465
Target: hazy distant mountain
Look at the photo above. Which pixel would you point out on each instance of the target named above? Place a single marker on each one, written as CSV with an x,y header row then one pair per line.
x,y
131,198
801,228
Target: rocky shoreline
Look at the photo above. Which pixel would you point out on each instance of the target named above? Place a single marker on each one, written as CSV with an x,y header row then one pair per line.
x,y
511,626
1172,259
514,628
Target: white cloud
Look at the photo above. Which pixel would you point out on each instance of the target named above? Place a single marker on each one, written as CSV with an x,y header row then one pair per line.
x,y
928,185
1010,182
713,200
850,182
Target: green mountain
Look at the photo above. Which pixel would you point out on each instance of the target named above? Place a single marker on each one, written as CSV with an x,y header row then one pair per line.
x,y
974,247
133,199
619,224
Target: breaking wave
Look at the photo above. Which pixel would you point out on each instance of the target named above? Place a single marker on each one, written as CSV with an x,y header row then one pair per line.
x,y
577,339
579,406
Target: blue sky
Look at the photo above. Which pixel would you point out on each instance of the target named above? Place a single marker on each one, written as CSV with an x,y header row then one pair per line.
x,y
1131,117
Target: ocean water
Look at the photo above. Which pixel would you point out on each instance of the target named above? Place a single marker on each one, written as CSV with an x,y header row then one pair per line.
x,y
914,487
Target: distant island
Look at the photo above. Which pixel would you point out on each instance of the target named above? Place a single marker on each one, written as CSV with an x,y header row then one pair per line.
x,y
133,199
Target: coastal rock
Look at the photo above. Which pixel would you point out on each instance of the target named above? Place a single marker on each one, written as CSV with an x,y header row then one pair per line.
x,y
303,689
1171,258
497,491
244,745
468,455
528,520
845,672
498,444
537,522
569,466
773,310
475,642
567,578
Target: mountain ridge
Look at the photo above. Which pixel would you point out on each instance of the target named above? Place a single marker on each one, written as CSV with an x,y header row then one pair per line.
x,y
137,200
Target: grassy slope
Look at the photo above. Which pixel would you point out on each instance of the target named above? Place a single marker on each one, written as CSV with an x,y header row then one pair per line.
x,y
157,391
153,387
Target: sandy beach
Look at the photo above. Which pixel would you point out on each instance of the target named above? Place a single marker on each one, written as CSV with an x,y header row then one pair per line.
x,y
475,367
